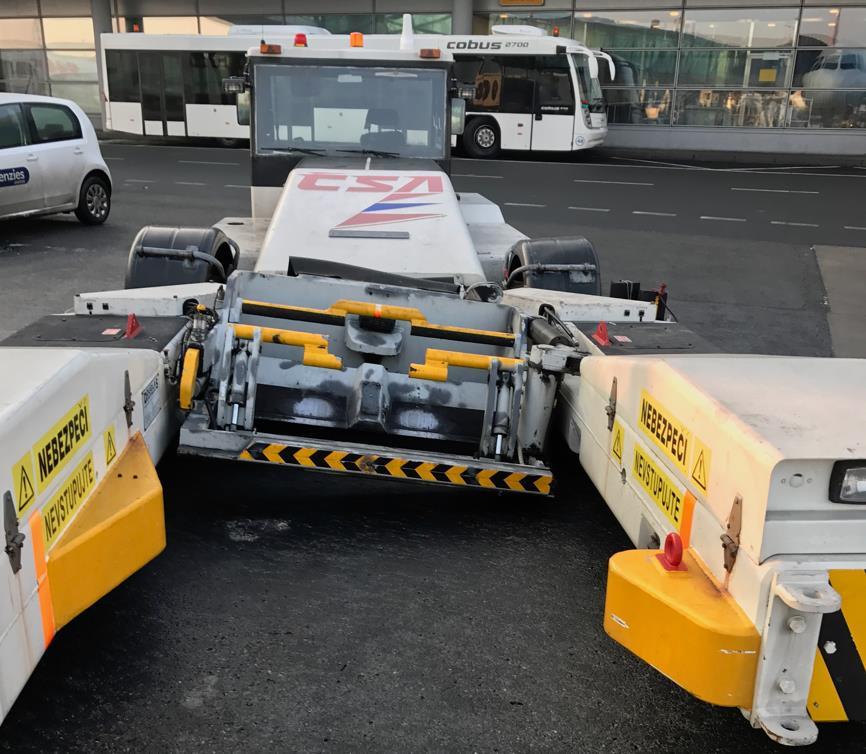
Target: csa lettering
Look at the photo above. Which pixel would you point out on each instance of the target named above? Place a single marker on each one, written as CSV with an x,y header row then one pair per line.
x,y
431,184
64,442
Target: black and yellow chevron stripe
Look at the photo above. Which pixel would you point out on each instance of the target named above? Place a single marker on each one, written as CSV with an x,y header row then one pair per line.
x,y
838,689
398,468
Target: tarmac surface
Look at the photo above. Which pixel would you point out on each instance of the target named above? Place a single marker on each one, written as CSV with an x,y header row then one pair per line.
x,y
297,612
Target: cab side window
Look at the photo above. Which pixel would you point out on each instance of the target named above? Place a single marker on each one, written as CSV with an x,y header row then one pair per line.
x,y
11,127
53,123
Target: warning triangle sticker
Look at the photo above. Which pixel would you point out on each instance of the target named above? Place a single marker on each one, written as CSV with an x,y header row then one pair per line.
x,y
25,489
110,450
616,448
699,472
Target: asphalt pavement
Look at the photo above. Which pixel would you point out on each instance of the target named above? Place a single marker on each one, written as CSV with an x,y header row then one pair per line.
x,y
292,612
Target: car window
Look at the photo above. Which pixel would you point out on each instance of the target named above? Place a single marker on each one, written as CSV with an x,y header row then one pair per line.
x,y
54,123
11,127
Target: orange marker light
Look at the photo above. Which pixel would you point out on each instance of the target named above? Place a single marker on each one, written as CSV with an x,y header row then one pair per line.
x,y
300,40
356,39
266,49
430,52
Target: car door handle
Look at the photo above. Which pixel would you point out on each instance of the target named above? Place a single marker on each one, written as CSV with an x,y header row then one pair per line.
x,y
32,157
78,150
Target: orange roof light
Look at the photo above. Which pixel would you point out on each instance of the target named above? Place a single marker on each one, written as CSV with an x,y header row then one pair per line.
x,y
266,49
430,52
300,40
356,39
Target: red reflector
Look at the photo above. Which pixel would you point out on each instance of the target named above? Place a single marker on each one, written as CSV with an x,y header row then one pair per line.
x,y
672,556
266,49
555,31
600,335
430,52
300,40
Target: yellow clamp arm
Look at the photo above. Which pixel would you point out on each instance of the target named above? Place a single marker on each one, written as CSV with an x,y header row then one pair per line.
x,y
188,377
436,363
315,346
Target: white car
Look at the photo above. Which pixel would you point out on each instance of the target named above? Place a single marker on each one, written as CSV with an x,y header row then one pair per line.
x,y
50,160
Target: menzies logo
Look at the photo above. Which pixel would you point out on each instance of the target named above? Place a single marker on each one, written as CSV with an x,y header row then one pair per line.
x,y
14,176
404,196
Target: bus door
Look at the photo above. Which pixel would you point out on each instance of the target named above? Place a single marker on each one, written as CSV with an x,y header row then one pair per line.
x,y
553,117
162,101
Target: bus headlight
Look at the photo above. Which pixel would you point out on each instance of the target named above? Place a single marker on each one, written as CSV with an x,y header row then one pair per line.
x,y
848,482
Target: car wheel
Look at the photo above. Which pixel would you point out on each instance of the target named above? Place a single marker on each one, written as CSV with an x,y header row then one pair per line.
x,y
94,201
481,139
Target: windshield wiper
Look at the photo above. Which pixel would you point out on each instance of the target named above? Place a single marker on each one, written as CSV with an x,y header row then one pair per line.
x,y
371,152
302,150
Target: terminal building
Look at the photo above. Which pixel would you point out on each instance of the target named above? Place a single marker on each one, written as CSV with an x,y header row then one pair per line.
x,y
732,75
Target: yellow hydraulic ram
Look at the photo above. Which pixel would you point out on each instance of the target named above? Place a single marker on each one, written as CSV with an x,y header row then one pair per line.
x,y
315,346
436,363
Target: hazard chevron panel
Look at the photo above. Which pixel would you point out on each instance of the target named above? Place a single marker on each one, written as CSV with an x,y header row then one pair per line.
x,y
838,690
397,467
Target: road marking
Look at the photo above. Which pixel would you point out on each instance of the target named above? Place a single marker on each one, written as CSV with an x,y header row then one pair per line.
x,y
474,175
137,180
189,183
787,167
656,214
616,183
665,164
775,191
114,158
853,227
521,204
236,185
796,225
726,219
207,162
591,209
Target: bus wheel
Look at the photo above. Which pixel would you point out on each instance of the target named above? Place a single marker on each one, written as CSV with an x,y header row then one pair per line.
x,y
481,138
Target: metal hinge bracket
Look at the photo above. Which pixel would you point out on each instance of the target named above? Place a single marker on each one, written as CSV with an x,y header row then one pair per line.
x,y
731,538
610,409
14,538
128,403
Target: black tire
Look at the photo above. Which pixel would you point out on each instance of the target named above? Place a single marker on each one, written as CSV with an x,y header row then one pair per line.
x,y
481,138
94,201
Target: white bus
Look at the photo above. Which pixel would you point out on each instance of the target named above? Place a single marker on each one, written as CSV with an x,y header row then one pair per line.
x,y
524,90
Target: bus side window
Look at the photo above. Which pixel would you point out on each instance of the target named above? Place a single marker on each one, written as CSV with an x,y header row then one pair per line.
x,y
123,81
554,92
518,86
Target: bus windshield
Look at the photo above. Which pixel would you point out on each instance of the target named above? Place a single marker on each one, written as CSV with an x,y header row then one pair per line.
x,y
330,110
590,89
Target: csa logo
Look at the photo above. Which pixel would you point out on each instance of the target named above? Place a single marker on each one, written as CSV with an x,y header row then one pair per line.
x,y
14,176
404,196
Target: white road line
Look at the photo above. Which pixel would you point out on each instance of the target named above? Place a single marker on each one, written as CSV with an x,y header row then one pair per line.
x,y
665,164
189,183
521,204
616,183
207,162
114,158
473,175
853,227
796,225
775,191
591,209
236,185
657,214
726,219
137,180
789,167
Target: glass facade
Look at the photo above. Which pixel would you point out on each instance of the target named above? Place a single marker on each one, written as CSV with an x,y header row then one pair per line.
x,y
751,67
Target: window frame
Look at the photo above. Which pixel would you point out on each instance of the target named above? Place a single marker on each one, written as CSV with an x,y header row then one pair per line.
x,y
34,133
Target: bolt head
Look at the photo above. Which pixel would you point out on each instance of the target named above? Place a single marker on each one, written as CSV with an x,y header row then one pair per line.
x,y
830,647
797,624
787,686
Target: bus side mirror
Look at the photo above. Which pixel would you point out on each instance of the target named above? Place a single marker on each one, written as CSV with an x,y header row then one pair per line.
x,y
458,115
234,85
593,66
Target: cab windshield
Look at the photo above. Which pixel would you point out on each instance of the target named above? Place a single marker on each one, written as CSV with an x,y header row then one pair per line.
x,y
590,89
337,110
